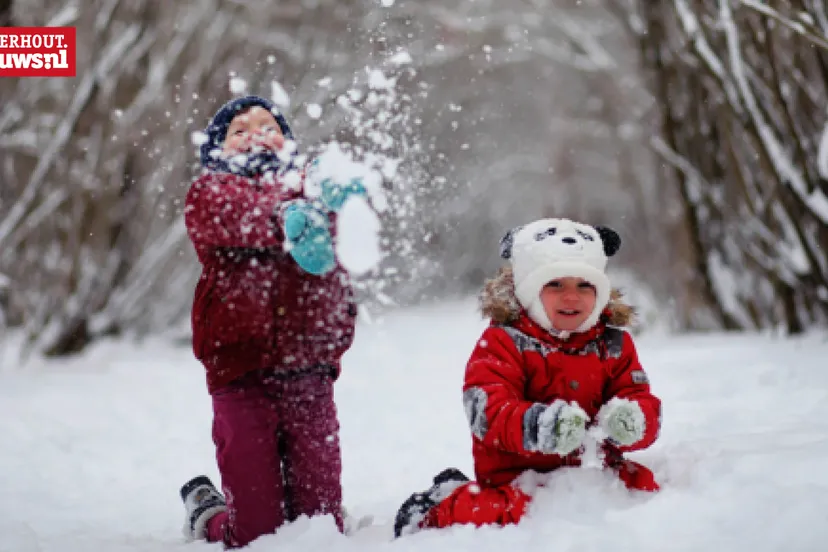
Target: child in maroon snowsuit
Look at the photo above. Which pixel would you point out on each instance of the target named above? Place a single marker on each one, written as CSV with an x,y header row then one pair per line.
x,y
272,315
551,364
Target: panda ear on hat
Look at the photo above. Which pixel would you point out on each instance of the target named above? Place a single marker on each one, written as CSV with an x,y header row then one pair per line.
x,y
610,239
507,241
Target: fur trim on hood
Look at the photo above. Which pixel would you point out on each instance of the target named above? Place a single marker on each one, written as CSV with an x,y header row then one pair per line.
x,y
499,302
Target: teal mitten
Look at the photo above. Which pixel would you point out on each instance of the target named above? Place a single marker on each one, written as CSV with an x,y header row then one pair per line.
x,y
334,189
309,238
334,195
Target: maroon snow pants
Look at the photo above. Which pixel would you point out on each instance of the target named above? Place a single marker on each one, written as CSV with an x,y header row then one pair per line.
x,y
277,445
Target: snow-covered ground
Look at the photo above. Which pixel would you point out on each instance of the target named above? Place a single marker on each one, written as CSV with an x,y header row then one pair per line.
x,y
95,448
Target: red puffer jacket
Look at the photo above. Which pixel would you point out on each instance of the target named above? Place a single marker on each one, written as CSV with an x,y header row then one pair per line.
x,y
254,307
516,364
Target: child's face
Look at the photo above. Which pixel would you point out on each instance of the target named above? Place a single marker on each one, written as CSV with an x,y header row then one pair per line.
x,y
568,302
252,129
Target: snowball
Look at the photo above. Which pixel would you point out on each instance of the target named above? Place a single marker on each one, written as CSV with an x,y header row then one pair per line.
x,y
358,237
401,58
378,81
238,85
199,138
314,111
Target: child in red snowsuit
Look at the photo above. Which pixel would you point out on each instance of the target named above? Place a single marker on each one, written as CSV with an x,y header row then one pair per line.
x,y
552,363
273,314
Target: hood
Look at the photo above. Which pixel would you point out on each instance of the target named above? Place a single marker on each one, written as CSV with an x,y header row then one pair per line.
x,y
499,302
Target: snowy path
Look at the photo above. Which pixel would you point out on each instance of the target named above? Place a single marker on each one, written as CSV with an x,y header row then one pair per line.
x,y
94,449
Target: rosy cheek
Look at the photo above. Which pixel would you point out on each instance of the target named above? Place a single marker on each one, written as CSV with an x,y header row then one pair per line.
x,y
234,143
549,299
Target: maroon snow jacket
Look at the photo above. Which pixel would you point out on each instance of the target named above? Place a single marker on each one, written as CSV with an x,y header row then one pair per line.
x,y
254,307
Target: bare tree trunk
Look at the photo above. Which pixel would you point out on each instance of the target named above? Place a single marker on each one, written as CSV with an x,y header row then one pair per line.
x,y
743,93
6,13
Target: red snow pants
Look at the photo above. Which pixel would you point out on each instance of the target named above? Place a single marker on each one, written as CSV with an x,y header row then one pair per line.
x,y
476,505
277,445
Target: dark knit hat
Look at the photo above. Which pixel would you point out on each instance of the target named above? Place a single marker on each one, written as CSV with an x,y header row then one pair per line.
x,y
217,129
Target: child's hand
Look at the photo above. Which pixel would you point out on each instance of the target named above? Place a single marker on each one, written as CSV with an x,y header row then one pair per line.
x,y
334,194
622,420
560,428
309,238
333,189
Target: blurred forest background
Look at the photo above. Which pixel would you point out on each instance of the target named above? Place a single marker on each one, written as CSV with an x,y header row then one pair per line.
x,y
696,128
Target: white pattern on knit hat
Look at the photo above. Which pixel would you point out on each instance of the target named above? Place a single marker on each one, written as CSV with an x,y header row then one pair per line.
x,y
548,249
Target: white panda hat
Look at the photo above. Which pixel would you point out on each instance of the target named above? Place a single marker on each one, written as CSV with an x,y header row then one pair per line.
x,y
552,248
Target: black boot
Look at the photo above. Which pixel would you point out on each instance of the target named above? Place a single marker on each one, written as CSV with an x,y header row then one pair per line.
x,y
414,509
201,502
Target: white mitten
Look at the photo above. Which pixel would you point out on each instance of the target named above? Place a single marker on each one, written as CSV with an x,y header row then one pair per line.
x,y
561,428
622,420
